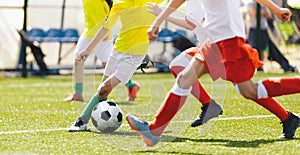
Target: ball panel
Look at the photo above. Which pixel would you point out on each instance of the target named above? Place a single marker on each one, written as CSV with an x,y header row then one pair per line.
x,y
120,117
107,116
111,103
95,123
103,105
114,111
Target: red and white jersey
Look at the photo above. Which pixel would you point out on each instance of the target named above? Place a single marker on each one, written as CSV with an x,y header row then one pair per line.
x,y
194,15
223,19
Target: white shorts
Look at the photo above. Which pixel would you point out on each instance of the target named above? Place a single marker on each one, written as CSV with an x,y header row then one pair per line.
x,y
102,50
122,65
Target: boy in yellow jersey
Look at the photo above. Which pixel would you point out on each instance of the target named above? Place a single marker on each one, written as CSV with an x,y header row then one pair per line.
x,y
96,12
130,49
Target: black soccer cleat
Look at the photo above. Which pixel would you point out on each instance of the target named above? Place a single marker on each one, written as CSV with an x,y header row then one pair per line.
x,y
79,125
209,111
290,126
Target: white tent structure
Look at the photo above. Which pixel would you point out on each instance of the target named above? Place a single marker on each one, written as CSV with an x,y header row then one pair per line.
x,y
39,14
25,14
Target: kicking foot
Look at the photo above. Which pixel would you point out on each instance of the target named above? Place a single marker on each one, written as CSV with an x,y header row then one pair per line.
x,y
143,129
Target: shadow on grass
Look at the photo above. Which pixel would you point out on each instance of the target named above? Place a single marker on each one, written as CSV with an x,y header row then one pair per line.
x,y
174,139
225,142
169,152
233,143
116,133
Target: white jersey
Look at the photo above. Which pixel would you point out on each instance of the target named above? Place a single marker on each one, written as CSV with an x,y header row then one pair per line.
x,y
195,16
223,19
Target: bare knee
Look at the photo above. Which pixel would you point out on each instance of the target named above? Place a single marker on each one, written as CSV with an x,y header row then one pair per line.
x,y
248,91
104,90
249,94
182,81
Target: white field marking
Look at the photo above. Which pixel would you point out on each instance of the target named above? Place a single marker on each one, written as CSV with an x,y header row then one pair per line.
x,y
123,124
244,117
230,118
32,131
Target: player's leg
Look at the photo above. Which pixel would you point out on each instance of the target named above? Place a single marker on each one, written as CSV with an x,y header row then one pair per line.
x,y
78,72
177,65
263,93
282,85
125,69
103,91
210,108
80,123
119,69
150,132
241,71
102,51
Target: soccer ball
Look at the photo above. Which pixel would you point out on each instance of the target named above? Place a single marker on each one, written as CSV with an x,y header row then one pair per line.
x,y
107,116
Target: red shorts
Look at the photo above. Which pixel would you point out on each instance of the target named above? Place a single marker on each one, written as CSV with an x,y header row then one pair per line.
x,y
230,59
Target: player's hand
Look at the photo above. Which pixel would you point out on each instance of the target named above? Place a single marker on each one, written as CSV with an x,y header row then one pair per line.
x,y
82,56
153,8
153,32
283,14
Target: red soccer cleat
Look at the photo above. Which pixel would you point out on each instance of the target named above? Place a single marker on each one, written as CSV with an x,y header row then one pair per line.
x,y
74,97
132,91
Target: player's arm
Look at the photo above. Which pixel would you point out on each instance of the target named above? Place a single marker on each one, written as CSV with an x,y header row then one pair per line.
x,y
281,13
156,10
171,7
101,34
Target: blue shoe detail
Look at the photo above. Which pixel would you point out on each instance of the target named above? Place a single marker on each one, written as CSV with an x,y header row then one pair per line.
x,y
143,129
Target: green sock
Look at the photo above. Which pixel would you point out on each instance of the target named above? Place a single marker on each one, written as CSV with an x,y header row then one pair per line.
x,y
78,88
130,84
86,115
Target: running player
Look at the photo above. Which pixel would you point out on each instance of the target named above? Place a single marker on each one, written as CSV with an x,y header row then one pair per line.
x,y
226,56
130,49
96,12
194,18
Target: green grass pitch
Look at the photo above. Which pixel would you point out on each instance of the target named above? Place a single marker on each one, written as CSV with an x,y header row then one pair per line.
x,y
34,120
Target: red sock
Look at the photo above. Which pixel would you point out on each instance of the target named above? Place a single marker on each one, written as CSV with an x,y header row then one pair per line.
x,y
166,112
197,89
282,86
274,107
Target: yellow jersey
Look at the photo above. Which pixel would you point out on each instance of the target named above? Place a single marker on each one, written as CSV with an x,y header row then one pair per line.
x,y
95,13
135,20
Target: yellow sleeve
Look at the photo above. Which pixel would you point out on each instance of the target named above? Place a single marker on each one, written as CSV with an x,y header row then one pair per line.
x,y
111,21
113,16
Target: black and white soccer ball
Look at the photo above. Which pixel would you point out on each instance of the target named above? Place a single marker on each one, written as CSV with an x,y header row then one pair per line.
x,y
107,116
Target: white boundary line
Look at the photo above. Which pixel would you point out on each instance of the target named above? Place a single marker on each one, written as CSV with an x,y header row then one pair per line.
x,y
66,129
245,117
32,131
